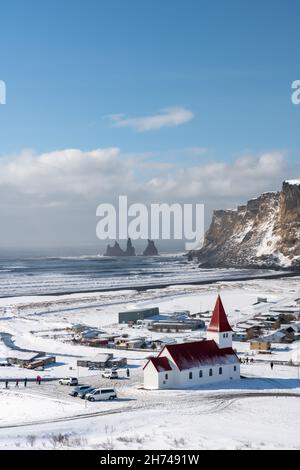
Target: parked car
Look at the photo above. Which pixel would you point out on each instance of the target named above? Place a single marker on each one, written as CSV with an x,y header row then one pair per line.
x,y
110,374
102,394
82,388
84,393
71,381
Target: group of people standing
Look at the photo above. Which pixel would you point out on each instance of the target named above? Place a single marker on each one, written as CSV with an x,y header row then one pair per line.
x,y
17,382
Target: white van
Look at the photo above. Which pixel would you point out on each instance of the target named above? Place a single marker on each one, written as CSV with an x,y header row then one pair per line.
x,y
102,394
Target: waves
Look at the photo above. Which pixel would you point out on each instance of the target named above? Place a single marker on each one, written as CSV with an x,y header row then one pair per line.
x,y
70,274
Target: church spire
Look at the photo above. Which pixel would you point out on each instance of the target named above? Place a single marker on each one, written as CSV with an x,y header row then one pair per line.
x,y
219,321
219,328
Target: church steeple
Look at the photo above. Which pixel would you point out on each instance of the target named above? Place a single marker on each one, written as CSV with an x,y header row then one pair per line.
x,y
219,328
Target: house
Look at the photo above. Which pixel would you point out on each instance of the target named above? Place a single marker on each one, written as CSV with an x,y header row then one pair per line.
x,y
24,359
260,345
239,335
283,335
42,362
196,363
161,342
101,361
130,343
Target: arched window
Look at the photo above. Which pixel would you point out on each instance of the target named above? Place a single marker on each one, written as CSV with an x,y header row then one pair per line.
x,y
220,371
210,372
190,375
200,374
166,376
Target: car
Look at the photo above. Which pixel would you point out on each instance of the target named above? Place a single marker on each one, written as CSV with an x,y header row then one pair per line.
x,y
110,374
84,393
101,394
82,388
71,381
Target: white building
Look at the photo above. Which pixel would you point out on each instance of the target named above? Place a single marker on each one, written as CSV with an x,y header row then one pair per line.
x,y
197,363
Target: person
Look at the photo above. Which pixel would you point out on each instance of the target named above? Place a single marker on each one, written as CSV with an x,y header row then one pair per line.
x,y
128,373
17,383
272,365
25,382
38,380
6,383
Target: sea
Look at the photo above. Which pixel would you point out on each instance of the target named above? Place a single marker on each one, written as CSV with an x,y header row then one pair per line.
x,y
27,274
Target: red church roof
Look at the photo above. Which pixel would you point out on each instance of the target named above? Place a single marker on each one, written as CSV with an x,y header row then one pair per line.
x,y
199,353
161,364
219,321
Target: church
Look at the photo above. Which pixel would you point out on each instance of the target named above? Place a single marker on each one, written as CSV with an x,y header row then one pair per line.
x,y
197,363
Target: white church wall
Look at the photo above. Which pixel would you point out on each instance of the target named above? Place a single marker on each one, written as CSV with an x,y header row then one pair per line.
x,y
224,340
151,377
191,377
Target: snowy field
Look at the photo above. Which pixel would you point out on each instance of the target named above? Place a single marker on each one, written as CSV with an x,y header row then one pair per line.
x,y
259,411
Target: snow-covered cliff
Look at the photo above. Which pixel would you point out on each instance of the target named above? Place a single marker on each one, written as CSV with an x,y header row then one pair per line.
x,y
264,232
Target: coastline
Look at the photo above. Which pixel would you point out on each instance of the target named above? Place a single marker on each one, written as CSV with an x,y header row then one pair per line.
x,y
162,285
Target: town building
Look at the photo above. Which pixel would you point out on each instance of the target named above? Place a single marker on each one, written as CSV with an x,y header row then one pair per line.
x,y
132,316
198,363
101,361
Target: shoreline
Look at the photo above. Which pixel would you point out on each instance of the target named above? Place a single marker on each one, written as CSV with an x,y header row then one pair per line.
x,y
143,287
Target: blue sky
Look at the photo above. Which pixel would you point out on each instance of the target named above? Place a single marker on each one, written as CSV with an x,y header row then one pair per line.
x,y
69,65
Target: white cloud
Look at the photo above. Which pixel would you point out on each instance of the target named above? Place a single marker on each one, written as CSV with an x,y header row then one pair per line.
x,y
59,175
168,117
242,178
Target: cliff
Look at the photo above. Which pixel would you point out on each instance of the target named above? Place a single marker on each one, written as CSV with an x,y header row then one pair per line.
x,y
263,233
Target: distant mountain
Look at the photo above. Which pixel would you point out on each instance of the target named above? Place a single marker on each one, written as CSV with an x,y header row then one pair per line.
x,y
263,233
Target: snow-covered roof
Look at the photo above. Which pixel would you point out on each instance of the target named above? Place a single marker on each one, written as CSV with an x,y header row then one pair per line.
x,y
101,357
22,355
165,340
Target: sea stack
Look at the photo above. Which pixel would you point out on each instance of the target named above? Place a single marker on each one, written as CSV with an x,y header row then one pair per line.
x,y
151,249
130,250
114,250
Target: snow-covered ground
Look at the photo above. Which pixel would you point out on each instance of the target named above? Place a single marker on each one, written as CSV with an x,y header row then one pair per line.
x,y
259,411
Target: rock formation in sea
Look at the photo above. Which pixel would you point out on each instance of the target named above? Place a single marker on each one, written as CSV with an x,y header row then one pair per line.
x,y
151,249
114,250
130,250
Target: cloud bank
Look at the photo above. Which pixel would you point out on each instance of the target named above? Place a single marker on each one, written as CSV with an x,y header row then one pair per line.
x,y
55,195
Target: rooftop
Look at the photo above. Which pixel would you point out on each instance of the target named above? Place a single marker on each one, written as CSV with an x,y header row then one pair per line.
x,y
199,353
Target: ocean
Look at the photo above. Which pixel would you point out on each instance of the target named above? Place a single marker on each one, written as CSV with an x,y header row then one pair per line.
x,y
39,275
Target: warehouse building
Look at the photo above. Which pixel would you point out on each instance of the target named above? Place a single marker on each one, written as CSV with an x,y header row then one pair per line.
x,y
132,316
